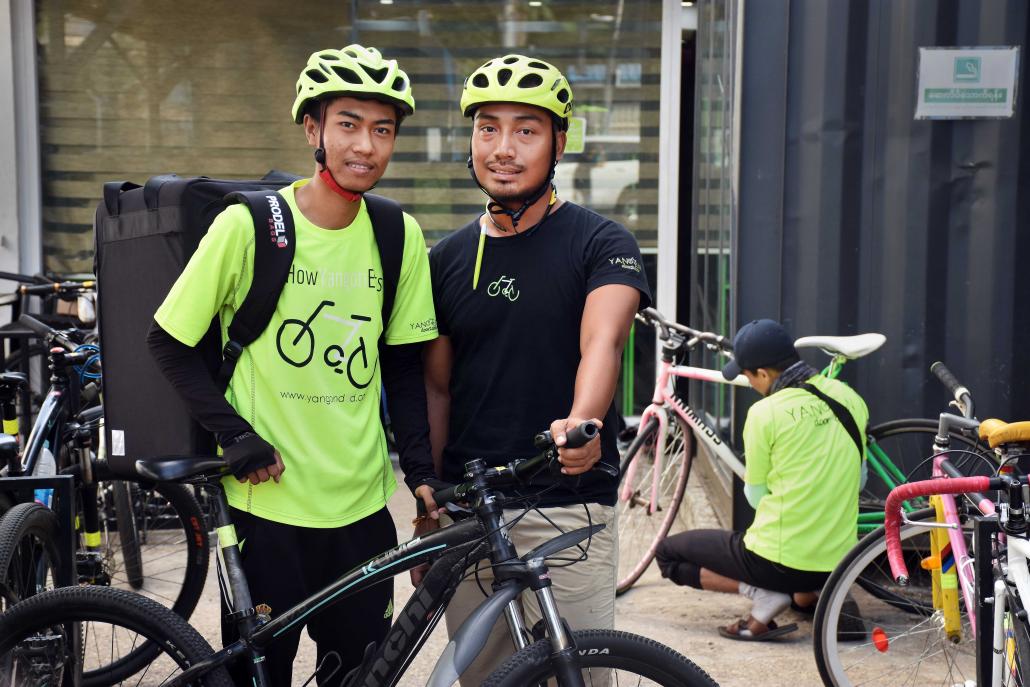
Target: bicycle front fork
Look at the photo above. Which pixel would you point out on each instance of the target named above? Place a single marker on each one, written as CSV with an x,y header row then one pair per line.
x,y
563,649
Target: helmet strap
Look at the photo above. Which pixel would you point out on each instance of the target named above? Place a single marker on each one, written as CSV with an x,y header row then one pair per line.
x,y
323,173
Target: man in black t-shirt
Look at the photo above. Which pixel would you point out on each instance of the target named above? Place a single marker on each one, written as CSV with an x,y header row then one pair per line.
x,y
534,301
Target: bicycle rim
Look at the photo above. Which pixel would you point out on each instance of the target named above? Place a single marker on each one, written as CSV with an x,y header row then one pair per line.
x,y
642,521
869,631
166,541
57,637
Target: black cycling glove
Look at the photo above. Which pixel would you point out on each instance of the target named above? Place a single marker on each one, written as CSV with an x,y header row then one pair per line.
x,y
246,453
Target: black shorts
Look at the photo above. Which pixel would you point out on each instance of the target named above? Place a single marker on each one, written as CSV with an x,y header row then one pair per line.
x,y
682,556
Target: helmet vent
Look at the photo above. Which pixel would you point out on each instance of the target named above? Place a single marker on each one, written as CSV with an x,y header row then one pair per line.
x,y
503,77
480,81
378,75
538,65
348,75
562,95
316,75
329,57
398,84
531,81
511,60
352,53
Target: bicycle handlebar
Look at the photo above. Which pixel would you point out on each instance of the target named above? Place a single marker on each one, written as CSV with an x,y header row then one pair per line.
x,y
64,287
45,331
654,318
904,492
515,471
961,394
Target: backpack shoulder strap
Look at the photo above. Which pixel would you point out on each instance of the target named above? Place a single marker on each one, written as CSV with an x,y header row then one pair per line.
x,y
274,248
842,413
388,226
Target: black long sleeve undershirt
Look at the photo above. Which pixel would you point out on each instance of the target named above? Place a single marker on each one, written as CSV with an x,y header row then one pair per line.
x,y
184,367
406,399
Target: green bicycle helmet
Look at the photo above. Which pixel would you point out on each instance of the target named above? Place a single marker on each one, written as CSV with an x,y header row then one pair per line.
x,y
357,71
519,79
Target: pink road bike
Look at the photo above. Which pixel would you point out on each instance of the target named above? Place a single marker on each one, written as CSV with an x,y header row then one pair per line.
x,y
656,465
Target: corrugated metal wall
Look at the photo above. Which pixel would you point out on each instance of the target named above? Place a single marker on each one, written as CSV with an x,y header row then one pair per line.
x,y
856,217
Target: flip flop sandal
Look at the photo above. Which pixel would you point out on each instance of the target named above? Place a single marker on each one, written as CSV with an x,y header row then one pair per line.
x,y
740,631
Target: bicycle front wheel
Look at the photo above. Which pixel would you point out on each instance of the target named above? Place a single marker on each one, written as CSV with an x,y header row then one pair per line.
x,y
28,553
869,631
607,657
56,637
128,531
644,518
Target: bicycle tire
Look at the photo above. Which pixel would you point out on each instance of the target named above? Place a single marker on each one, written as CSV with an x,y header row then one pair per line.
x,y
191,539
57,617
848,616
640,531
1017,650
128,532
605,650
908,443
29,557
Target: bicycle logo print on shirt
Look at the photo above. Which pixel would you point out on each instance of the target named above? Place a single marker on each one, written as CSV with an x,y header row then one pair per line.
x,y
296,344
504,286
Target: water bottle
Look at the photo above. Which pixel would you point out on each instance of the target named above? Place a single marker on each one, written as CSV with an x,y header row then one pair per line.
x,y
46,466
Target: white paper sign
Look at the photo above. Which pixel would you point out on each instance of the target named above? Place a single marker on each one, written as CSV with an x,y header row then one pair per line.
x,y
962,83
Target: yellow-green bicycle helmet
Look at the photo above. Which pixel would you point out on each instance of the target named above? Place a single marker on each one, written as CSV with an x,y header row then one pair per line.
x,y
519,79
355,70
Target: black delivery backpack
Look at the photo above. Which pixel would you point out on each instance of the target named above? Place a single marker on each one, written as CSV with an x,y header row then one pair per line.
x,y
143,238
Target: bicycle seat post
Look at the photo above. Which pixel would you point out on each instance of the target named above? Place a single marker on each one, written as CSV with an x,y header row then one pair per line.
x,y
242,611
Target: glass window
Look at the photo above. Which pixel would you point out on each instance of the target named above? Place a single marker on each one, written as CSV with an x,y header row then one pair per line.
x,y
130,89
715,210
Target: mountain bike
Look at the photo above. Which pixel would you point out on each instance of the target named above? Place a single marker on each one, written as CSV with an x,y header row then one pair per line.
x,y
42,631
147,537
657,463
868,629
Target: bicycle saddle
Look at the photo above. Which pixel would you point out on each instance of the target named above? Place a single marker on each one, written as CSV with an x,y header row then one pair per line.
x,y
12,379
851,347
998,432
180,468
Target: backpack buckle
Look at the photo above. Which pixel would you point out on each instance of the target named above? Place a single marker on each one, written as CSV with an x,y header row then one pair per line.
x,y
233,350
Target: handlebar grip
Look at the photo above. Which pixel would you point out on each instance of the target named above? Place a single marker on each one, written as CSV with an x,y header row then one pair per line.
x,y
581,435
35,325
947,378
440,496
892,512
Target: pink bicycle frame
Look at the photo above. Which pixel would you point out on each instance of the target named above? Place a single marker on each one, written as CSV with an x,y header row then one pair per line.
x,y
664,398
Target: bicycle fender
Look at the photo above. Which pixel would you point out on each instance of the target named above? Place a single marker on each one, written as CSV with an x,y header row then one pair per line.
x,y
471,637
562,542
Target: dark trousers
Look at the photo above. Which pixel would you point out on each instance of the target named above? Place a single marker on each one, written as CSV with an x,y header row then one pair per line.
x,y
285,564
681,557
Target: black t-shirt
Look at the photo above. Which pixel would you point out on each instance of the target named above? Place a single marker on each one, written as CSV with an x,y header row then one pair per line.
x,y
516,336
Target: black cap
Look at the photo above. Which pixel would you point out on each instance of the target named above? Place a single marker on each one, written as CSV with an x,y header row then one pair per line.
x,y
759,343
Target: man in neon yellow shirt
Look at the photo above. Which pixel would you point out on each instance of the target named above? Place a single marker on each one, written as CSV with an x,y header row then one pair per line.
x,y
804,451
300,422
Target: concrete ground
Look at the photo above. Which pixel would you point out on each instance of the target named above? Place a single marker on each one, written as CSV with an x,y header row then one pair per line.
x,y
682,618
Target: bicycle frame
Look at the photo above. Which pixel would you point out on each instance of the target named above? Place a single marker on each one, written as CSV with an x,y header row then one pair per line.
x,y
664,397
462,544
